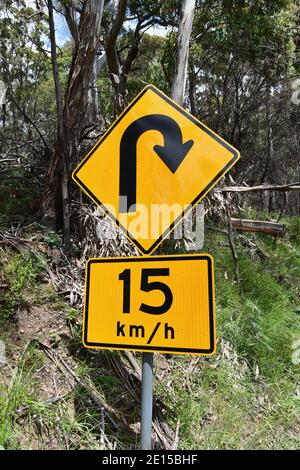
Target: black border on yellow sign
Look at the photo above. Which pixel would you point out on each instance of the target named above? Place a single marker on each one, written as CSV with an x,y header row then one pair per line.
x,y
213,182
117,346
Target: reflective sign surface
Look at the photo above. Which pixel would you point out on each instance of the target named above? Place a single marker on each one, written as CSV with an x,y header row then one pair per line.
x,y
159,303
153,164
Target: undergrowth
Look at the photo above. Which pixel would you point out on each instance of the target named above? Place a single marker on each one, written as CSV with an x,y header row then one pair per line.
x,y
19,271
246,397
249,397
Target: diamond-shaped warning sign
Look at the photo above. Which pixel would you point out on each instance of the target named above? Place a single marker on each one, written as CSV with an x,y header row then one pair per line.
x,y
152,166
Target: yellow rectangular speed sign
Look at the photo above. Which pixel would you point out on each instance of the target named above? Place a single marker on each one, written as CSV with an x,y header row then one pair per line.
x,y
158,303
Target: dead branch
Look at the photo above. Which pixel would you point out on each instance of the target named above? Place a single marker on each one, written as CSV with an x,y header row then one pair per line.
x,y
253,247
86,385
128,367
262,187
176,439
232,247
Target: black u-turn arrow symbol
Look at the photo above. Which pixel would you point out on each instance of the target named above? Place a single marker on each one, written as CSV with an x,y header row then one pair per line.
x,y
172,153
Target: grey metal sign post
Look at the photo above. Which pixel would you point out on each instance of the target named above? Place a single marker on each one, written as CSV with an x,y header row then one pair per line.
x,y
147,401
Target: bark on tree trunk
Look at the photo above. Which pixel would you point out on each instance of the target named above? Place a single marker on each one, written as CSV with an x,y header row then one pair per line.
x,y
269,150
182,53
115,68
58,90
92,111
181,67
192,90
53,185
55,200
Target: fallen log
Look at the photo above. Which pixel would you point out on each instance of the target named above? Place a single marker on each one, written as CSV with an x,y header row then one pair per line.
x,y
271,228
262,187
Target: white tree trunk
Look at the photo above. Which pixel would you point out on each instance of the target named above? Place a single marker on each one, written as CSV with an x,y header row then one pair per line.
x,y
182,53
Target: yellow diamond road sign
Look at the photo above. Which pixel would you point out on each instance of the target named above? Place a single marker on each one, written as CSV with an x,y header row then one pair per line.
x,y
157,303
152,166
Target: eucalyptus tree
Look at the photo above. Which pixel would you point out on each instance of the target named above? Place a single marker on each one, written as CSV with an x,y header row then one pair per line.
x,y
55,203
243,56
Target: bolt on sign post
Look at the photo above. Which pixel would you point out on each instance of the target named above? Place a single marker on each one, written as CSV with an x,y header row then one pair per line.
x,y
146,173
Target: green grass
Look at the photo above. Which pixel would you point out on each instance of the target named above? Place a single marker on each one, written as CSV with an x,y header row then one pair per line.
x,y
226,409
258,319
246,397
27,422
14,396
20,271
